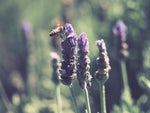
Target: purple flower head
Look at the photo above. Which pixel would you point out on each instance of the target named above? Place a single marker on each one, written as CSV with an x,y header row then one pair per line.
x,y
70,32
120,29
83,74
26,27
102,62
27,35
120,33
55,60
101,45
83,43
68,68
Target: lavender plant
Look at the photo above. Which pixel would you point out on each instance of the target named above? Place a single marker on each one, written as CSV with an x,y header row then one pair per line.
x,y
83,74
121,49
102,72
119,31
27,38
68,68
55,59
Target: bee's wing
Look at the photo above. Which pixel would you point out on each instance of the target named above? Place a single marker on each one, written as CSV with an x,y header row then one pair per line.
x,y
58,25
53,27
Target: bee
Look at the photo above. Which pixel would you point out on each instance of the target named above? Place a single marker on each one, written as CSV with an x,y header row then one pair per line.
x,y
58,31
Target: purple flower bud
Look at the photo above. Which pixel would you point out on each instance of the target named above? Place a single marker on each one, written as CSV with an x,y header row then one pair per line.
x,y
27,35
68,68
120,29
70,32
55,65
27,39
83,42
101,45
26,28
83,74
102,62
120,33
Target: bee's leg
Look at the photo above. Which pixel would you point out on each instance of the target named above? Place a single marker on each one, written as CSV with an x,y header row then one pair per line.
x,y
56,35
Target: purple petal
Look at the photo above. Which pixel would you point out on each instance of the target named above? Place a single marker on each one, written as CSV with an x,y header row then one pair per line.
x,y
119,28
26,27
70,32
101,44
83,42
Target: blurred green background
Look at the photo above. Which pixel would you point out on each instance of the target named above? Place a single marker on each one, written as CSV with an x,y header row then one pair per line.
x,y
25,68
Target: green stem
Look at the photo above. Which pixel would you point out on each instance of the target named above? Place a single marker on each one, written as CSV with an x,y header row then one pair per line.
x,y
5,99
74,100
124,74
87,100
126,95
102,97
58,99
86,111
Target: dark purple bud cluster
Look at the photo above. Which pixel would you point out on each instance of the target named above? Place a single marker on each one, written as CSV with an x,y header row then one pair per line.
x,y
83,74
68,68
102,62
55,59
120,33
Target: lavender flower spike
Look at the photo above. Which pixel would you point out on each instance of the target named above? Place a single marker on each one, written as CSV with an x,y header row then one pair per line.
x,y
120,29
120,33
55,59
68,68
83,74
102,62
